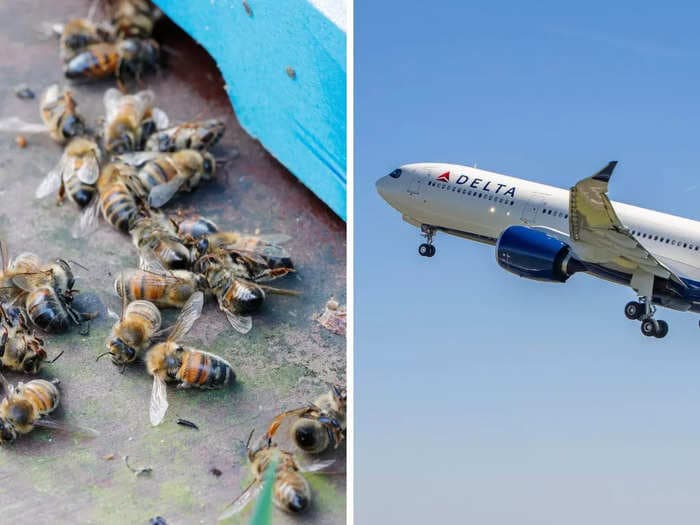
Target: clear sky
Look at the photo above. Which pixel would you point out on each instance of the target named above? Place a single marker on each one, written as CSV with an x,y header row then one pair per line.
x,y
481,397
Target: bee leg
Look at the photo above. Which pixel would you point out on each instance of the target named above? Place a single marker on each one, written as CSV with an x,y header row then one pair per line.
x,y
119,75
184,386
61,194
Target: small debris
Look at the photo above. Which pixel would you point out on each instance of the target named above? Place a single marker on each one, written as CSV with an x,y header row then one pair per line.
x,y
137,471
21,141
247,8
186,423
215,471
158,520
108,457
333,318
22,91
291,73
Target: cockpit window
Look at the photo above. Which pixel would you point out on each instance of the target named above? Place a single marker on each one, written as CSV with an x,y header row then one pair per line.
x,y
396,173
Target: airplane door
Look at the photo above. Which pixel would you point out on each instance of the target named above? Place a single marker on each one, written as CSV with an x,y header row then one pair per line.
x,y
533,208
415,187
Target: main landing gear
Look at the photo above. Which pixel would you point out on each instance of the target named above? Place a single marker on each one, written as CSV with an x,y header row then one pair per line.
x,y
427,249
644,311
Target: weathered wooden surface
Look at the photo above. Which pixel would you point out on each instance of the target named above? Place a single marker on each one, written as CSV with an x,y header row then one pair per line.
x,y
51,477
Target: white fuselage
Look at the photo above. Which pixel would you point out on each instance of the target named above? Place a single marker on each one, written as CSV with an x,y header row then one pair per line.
x,y
478,204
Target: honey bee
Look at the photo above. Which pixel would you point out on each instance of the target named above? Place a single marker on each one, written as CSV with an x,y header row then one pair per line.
x,y
165,290
189,367
129,118
134,18
268,247
132,334
194,227
123,59
318,426
20,349
155,238
199,134
118,191
79,33
290,490
162,175
49,294
26,262
75,174
28,405
58,112
238,297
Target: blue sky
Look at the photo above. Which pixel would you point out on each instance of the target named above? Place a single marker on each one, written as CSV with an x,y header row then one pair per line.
x,y
482,397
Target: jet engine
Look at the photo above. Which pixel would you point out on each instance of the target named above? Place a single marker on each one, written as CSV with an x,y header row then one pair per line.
x,y
535,255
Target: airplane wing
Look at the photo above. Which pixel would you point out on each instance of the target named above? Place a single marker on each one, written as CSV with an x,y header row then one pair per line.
x,y
593,223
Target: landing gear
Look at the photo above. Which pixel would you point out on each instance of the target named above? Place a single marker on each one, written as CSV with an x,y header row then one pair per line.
x,y
643,283
644,311
634,310
427,249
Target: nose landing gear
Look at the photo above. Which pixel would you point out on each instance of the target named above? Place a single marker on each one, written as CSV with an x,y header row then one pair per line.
x,y
427,249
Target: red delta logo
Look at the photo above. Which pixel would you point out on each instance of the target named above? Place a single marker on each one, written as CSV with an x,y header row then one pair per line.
x,y
445,177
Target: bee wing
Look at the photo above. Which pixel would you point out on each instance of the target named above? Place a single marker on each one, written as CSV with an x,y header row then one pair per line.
x,y
251,256
52,424
242,501
160,118
52,182
112,99
144,101
159,401
88,220
242,323
17,125
29,280
162,193
316,466
88,169
5,385
111,313
191,311
274,238
138,158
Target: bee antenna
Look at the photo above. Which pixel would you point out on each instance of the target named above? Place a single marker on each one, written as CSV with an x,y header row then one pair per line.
x,y
54,359
102,355
250,436
76,263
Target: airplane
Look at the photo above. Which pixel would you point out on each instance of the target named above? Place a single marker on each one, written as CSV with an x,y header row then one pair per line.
x,y
548,234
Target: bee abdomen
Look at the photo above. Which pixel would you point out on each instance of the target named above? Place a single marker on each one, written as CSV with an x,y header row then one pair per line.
x,y
79,192
146,310
118,207
46,311
95,62
42,394
204,370
246,298
292,492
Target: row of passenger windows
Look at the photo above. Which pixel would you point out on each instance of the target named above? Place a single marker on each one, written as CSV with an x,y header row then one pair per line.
x,y
472,193
546,211
658,238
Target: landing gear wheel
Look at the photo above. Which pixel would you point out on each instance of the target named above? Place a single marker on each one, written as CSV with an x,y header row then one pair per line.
x,y
663,329
432,250
425,250
634,310
650,327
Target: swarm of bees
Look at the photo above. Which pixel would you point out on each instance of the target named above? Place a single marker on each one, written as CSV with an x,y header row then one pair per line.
x,y
125,168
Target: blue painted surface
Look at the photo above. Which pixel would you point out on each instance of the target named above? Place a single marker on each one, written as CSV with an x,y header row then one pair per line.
x,y
301,121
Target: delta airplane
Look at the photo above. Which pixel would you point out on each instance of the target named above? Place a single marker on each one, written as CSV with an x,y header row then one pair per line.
x,y
547,233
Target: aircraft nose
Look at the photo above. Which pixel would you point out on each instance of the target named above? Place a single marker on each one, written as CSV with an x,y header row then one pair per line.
x,y
389,186
383,185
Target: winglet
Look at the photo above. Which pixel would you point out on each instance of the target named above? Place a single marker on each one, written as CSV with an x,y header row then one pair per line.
x,y
604,174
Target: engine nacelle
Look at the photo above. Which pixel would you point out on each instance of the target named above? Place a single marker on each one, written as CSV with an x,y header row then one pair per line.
x,y
535,255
